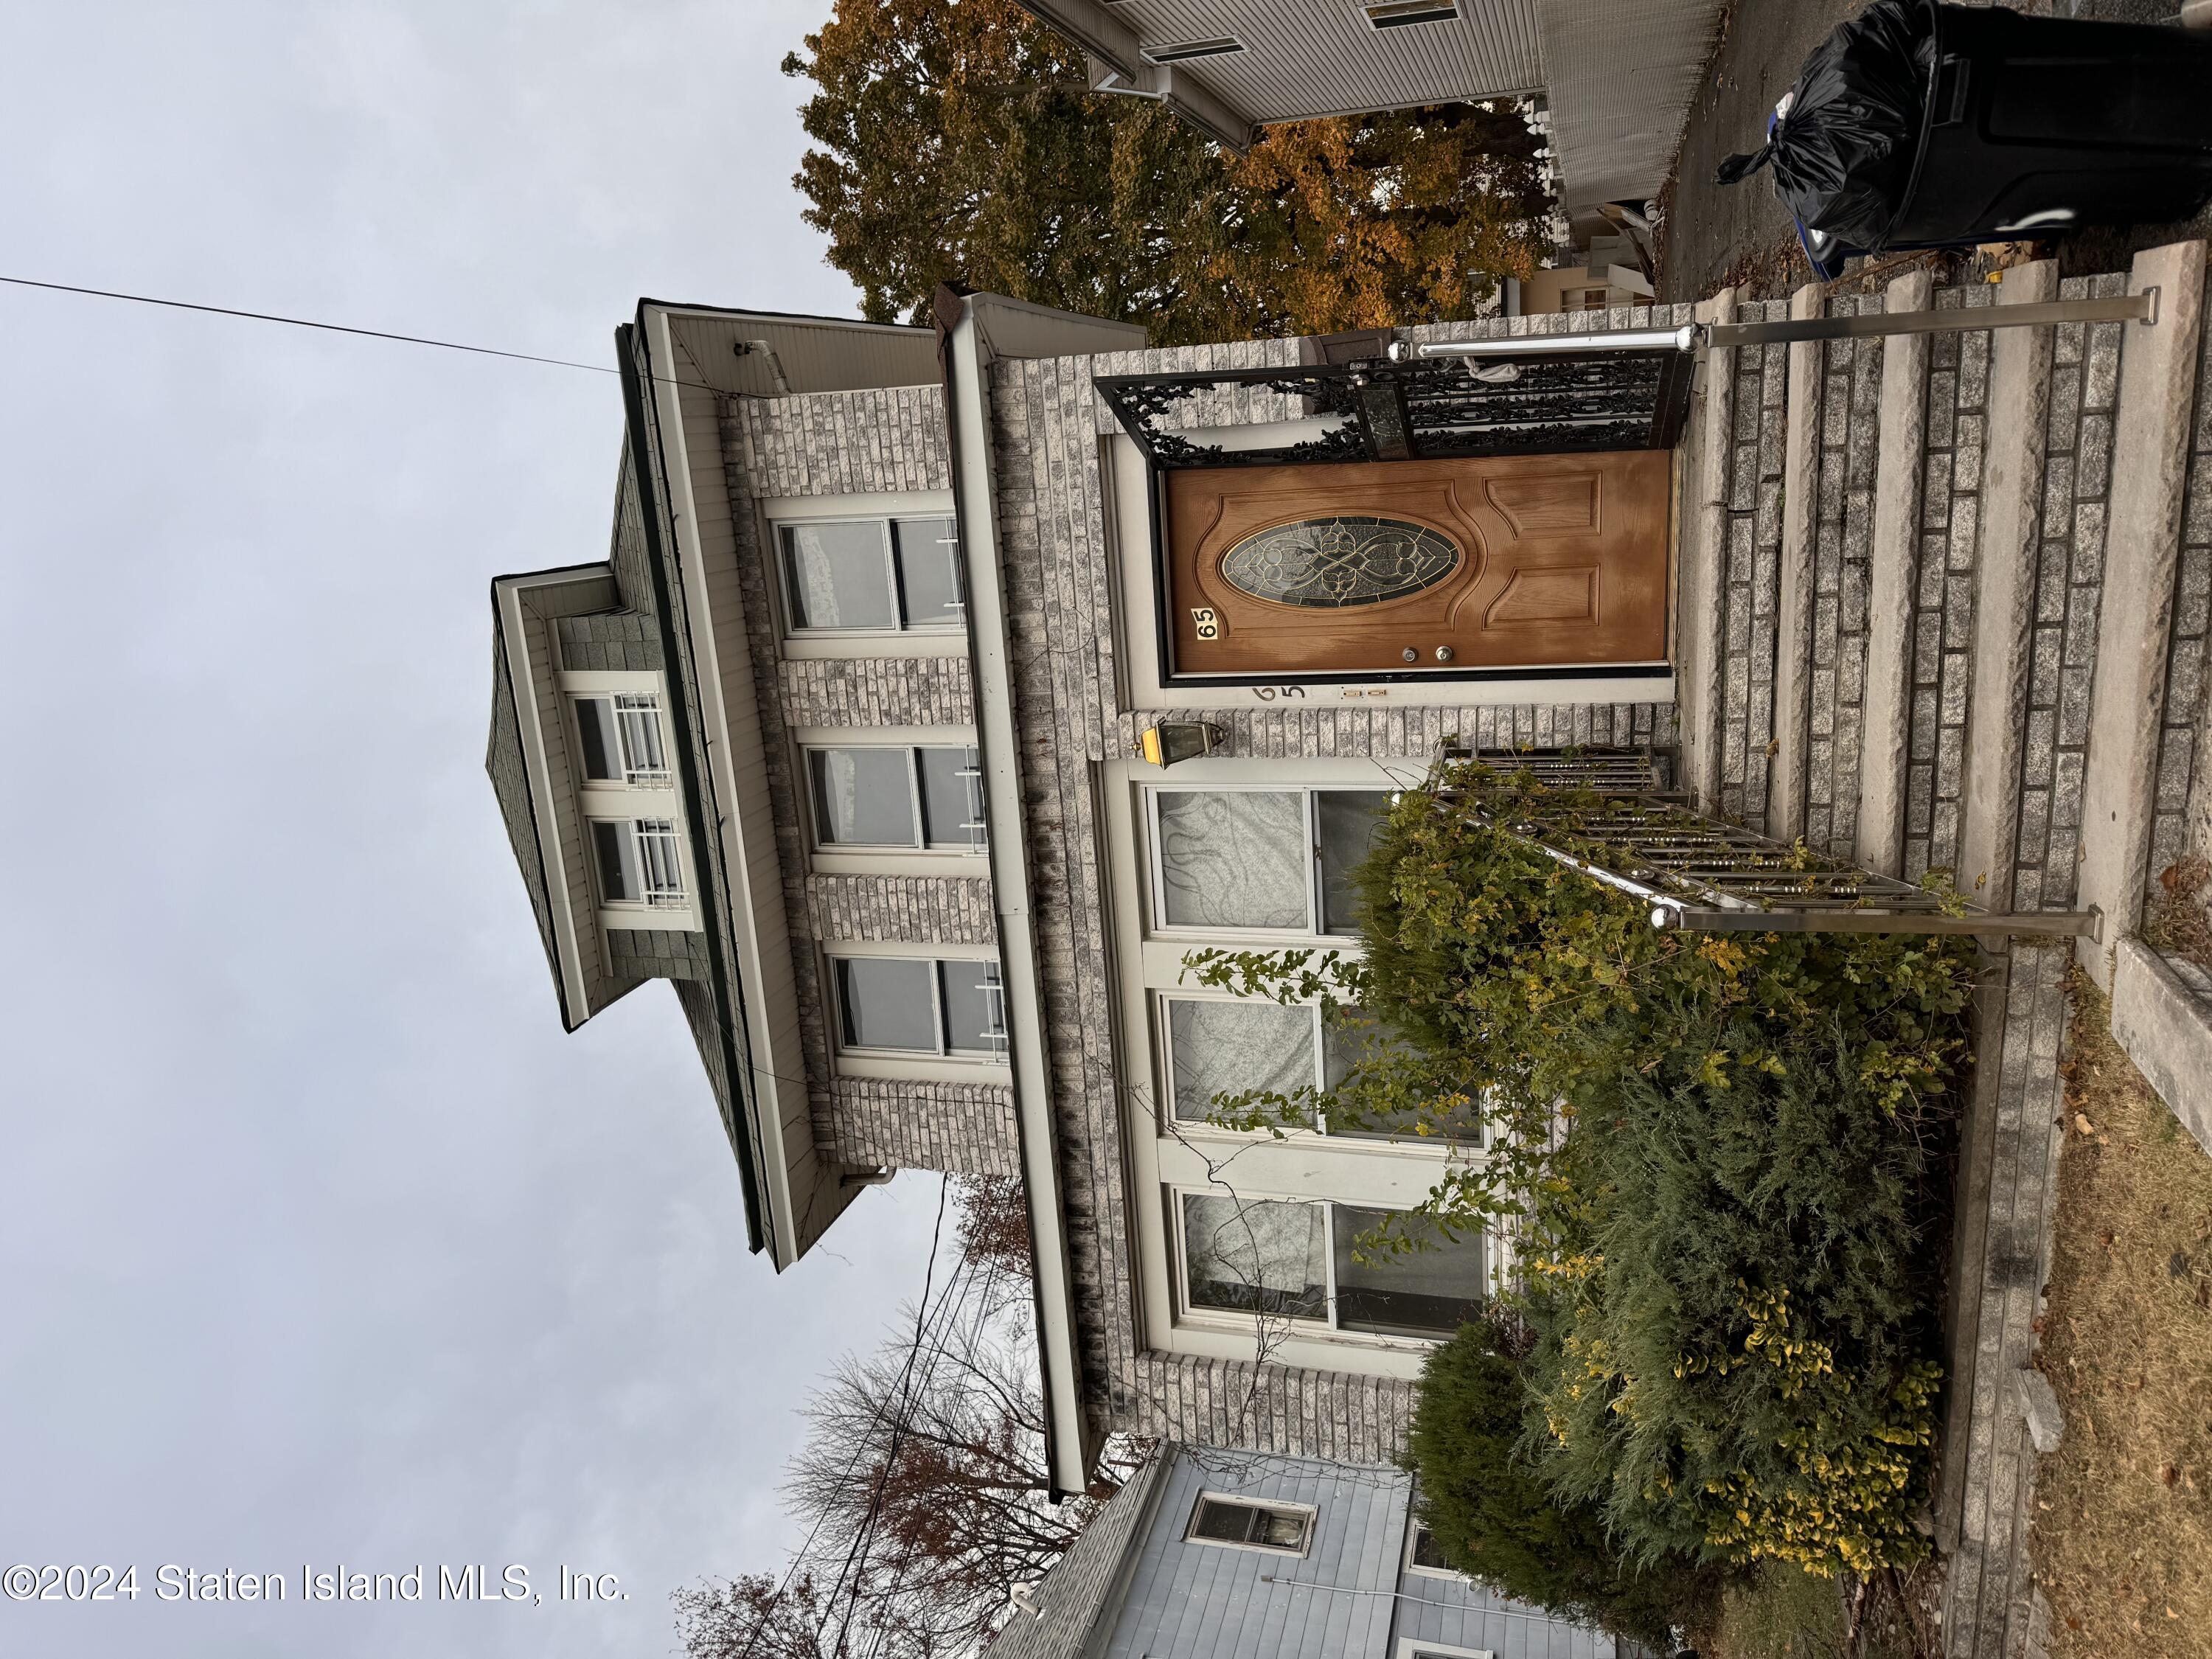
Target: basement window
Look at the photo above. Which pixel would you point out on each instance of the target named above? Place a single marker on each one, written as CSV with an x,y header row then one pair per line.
x,y
1401,14
1246,1523
1183,51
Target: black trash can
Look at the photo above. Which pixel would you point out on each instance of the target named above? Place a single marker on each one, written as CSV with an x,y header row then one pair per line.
x,y
1917,125
2035,125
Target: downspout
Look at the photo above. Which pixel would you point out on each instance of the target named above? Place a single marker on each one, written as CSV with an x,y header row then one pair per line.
x,y
967,419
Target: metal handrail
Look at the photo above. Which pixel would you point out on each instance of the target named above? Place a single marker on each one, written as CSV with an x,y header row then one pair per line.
x,y
2139,308
1700,876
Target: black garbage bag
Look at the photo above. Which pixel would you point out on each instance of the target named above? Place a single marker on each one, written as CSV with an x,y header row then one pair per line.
x,y
1845,139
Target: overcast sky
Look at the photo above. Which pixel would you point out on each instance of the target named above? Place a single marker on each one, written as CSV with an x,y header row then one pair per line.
x,y
319,1242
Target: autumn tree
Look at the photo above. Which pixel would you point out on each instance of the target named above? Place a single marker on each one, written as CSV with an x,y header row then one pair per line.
x,y
956,140
920,1494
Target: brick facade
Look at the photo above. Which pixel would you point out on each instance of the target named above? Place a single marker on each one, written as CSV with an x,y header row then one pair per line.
x,y
850,443
925,909
878,691
966,1128
1047,425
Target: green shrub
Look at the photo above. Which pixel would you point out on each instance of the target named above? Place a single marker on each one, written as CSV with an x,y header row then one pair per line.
x,y
1724,1155
1741,1370
1492,1517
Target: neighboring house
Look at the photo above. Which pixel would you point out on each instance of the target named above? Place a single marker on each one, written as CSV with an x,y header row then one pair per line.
x,y
1605,275
1616,79
844,739
1245,1555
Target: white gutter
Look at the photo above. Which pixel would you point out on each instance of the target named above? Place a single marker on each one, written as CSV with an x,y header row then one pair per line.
x,y
765,1128
968,398
576,1006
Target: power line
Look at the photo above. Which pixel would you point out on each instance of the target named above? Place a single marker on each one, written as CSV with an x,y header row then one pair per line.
x,y
303,322
856,1558
799,1556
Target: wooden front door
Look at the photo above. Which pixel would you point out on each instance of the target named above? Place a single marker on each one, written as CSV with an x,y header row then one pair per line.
x,y
1509,561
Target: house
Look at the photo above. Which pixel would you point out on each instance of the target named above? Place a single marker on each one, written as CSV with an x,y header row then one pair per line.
x,y
1207,1554
846,737
1615,81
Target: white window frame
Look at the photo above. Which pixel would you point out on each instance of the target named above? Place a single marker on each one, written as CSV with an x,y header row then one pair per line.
x,y
976,846
670,908
1306,1513
1162,1010
905,639
640,703
1156,862
1189,1313
940,959
1413,1646
1165,1156
1414,1528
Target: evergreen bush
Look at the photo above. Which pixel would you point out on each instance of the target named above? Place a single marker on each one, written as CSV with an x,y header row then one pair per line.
x,y
1724,1156
1492,1515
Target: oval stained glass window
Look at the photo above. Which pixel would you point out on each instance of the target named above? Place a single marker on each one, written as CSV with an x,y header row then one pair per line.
x,y
1344,560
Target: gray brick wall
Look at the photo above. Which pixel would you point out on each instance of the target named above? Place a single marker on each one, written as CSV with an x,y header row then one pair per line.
x,y
611,641
656,953
2069,584
839,443
1048,421
928,909
856,443
878,691
1268,1407
1843,552
1752,573
1943,615
2183,820
964,1128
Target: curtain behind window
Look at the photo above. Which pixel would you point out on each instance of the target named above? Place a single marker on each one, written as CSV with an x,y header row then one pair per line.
x,y
1235,859
1257,1255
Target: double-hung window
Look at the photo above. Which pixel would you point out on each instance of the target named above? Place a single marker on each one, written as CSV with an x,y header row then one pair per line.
x,y
1274,859
1298,1259
1251,1523
640,862
902,797
621,739
1217,1047
877,575
949,1006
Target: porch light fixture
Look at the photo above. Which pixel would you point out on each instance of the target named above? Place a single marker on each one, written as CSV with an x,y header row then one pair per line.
x,y
1179,740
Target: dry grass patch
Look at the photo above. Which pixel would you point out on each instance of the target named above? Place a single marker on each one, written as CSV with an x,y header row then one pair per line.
x,y
2123,1530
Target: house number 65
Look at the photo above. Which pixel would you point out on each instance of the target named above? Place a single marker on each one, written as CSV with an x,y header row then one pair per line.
x,y
1206,622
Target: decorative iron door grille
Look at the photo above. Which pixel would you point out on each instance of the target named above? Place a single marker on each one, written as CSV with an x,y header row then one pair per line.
x,y
1427,409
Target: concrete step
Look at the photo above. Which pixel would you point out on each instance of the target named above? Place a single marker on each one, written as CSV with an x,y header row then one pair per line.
x,y
1945,602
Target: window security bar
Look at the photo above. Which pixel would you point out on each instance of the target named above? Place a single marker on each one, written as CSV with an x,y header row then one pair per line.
x,y
1690,336
660,865
637,720
1699,875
